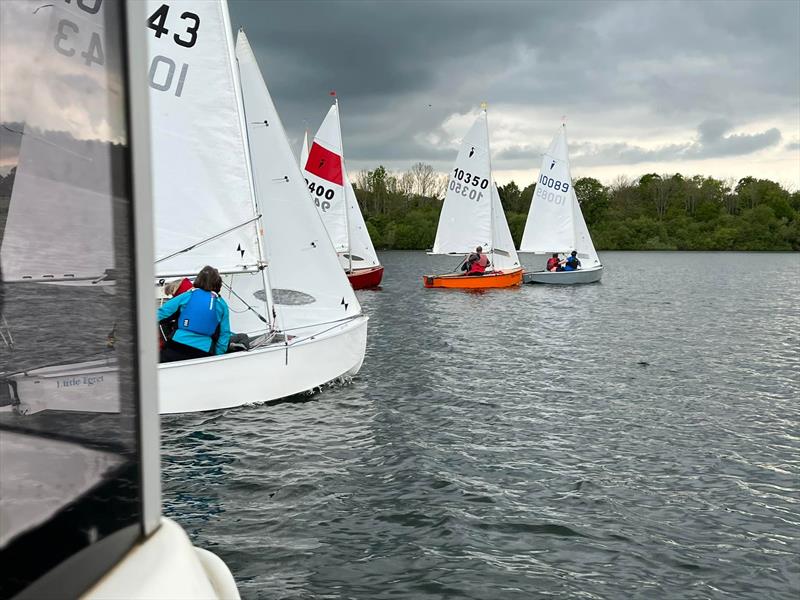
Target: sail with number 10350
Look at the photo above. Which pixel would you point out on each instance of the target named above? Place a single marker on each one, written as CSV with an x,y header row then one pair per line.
x,y
555,221
473,216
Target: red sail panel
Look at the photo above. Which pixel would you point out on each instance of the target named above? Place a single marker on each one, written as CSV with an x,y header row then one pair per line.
x,y
324,164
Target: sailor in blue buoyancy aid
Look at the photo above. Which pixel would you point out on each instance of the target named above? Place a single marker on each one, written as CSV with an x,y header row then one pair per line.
x,y
203,320
573,262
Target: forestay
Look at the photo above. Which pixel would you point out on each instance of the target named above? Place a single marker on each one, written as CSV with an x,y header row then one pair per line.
x,y
555,222
205,210
308,283
466,218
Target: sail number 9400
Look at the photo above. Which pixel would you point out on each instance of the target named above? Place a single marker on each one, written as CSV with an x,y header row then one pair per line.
x,y
465,184
318,191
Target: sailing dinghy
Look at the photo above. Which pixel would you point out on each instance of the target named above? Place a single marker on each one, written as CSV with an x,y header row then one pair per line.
x,y
284,286
333,195
472,216
555,222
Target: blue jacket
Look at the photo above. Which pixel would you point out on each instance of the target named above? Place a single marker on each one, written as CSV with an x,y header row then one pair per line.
x,y
197,340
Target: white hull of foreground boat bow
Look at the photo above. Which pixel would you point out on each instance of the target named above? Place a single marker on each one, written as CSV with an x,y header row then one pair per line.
x,y
591,275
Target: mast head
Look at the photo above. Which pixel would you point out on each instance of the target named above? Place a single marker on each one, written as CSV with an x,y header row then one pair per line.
x,y
484,106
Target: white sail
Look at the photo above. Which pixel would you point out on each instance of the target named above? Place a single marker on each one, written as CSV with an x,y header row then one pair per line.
x,y
304,151
466,218
59,223
325,175
503,254
340,213
361,248
204,203
555,222
308,283
583,241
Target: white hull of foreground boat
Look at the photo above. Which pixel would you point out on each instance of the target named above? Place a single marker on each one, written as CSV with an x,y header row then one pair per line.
x,y
263,374
202,384
591,275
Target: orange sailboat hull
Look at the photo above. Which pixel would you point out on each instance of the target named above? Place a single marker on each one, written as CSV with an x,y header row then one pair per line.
x,y
500,279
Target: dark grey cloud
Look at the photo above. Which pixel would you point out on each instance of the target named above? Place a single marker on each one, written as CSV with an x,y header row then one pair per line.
x,y
402,69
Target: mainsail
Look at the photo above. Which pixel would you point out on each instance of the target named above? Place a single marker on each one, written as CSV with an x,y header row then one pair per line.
x,y
472,214
555,222
333,194
310,287
205,208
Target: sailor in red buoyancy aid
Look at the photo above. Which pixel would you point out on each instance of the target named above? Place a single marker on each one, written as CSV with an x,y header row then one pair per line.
x,y
553,262
477,262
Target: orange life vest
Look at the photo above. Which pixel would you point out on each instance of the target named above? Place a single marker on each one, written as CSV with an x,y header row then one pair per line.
x,y
479,266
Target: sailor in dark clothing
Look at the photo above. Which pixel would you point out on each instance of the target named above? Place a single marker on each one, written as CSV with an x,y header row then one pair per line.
x,y
573,262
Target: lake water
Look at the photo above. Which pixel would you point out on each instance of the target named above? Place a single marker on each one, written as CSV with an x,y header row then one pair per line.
x,y
638,438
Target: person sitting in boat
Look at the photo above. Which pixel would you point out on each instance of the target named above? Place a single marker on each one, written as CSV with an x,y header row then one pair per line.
x,y
477,262
553,262
203,320
573,262
167,327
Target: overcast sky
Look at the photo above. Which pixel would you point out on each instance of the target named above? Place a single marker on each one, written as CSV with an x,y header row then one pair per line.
x,y
696,87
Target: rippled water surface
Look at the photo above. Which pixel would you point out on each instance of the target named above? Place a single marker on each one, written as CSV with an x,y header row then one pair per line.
x,y
638,438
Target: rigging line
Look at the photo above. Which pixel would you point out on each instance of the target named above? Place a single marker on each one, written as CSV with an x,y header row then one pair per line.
x,y
250,308
334,323
210,239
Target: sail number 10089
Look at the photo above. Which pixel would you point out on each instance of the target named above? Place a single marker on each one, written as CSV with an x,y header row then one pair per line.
x,y
543,192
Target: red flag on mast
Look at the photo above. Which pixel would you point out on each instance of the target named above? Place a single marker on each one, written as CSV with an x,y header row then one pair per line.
x,y
333,92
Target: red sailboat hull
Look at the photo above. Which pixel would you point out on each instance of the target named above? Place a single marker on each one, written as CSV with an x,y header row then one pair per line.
x,y
362,279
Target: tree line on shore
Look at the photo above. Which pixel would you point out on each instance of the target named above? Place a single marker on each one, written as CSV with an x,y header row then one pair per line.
x,y
654,212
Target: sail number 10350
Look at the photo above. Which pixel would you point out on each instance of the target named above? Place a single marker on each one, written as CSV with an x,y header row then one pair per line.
x,y
467,184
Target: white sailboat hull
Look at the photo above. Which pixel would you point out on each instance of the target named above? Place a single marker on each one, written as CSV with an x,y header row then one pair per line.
x,y
265,374
89,386
591,275
212,383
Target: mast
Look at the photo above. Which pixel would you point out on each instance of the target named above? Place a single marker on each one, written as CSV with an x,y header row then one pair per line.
x,y
492,187
345,179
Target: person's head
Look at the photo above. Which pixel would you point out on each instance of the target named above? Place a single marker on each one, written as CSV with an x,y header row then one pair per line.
x,y
208,279
574,253
172,287
479,249
555,254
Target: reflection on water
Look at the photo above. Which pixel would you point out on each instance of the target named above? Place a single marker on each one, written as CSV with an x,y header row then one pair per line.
x,y
634,438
